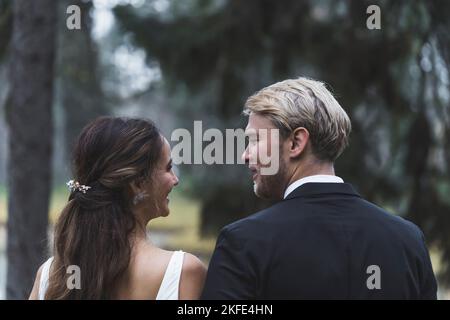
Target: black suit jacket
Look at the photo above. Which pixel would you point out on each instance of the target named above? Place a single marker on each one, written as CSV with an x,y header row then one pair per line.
x,y
321,242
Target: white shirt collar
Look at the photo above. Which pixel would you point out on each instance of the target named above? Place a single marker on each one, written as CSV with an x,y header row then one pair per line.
x,y
320,178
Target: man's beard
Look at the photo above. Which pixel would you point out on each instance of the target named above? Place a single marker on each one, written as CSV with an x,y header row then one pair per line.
x,y
271,186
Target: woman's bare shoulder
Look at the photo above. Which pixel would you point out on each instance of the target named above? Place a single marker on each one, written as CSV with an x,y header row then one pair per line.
x,y
192,264
193,276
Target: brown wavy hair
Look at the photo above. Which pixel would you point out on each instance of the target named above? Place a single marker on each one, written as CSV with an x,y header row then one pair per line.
x,y
94,229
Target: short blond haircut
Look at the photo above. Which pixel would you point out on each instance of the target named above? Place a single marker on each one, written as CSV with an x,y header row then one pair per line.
x,y
307,103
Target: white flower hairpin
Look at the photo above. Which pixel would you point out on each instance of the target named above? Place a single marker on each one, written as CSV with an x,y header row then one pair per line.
x,y
76,186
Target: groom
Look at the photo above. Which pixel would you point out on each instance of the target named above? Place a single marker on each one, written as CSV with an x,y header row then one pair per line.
x,y
322,240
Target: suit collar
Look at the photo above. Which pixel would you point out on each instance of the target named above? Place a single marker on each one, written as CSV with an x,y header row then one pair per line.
x,y
313,189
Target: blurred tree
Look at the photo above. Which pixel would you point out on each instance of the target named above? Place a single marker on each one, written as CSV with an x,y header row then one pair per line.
x,y
78,73
5,36
393,82
29,115
5,26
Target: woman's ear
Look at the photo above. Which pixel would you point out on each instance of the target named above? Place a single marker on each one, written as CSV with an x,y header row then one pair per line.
x,y
135,187
138,192
299,140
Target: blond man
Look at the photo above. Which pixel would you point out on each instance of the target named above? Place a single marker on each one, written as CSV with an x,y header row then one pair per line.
x,y
321,240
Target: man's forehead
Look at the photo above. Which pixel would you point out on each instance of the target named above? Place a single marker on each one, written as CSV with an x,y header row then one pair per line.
x,y
256,122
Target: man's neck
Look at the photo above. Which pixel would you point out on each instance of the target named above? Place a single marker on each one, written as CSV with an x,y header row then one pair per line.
x,y
311,168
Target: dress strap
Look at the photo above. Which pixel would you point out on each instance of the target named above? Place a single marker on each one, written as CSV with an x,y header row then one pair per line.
x,y
170,284
43,283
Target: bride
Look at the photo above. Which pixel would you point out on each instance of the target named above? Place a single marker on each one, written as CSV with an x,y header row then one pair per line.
x,y
123,176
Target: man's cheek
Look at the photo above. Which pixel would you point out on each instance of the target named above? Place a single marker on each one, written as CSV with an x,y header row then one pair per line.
x,y
269,159
253,155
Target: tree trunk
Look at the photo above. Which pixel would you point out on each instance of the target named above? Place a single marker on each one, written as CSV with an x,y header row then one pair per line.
x,y
30,120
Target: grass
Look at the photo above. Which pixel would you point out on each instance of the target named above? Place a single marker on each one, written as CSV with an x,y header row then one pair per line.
x,y
181,226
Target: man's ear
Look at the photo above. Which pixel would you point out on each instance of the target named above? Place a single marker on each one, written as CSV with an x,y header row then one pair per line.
x,y
299,139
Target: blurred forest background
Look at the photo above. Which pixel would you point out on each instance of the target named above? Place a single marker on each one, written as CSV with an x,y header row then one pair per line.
x,y
176,61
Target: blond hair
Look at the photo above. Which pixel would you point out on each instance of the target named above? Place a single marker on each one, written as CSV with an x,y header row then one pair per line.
x,y
307,103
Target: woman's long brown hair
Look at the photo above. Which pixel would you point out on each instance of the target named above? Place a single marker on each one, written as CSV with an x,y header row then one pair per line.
x,y
94,229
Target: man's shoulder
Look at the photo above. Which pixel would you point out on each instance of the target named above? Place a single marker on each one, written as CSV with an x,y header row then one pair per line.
x,y
255,221
394,220
368,212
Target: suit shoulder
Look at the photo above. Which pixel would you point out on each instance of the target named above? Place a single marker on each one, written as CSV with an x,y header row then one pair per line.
x,y
256,220
395,222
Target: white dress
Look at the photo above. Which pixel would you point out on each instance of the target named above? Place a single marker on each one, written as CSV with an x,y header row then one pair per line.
x,y
167,291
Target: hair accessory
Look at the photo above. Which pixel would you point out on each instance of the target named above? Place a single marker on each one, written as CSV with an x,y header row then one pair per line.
x,y
76,186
